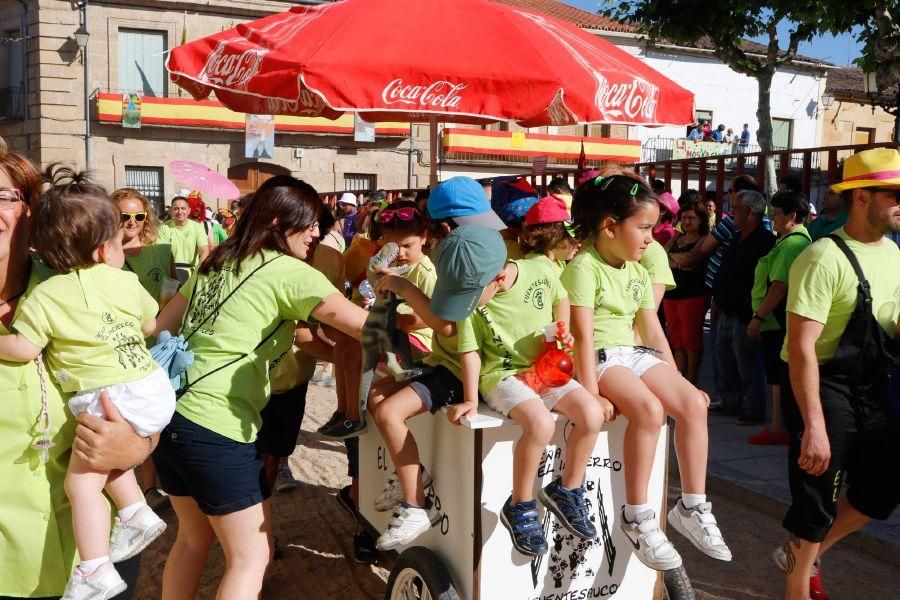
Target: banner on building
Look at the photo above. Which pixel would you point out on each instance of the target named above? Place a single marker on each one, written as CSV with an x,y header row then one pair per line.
x,y
131,110
692,149
363,131
259,141
539,165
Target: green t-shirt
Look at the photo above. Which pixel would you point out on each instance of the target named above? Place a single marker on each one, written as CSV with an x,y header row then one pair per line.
x,y
822,287
37,553
558,265
219,233
614,294
89,321
152,266
509,329
775,266
656,261
280,293
185,241
824,225
445,351
423,276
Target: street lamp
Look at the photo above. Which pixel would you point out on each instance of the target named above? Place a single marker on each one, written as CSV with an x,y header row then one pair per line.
x,y
82,36
827,100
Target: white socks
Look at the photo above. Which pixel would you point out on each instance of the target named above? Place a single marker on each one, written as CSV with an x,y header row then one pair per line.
x,y
633,510
129,511
691,500
89,566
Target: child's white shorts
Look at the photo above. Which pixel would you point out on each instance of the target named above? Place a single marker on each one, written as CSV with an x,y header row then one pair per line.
x,y
147,404
638,361
513,391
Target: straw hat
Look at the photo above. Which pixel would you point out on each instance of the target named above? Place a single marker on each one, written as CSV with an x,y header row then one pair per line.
x,y
871,168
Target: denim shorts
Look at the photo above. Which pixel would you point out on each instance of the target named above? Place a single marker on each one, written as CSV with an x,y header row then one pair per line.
x,y
223,476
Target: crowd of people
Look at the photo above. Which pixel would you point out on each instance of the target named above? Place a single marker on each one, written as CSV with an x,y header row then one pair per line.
x,y
110,316
703,131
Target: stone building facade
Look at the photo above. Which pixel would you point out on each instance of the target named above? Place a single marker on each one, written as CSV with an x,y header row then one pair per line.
x,y
853,117
43,114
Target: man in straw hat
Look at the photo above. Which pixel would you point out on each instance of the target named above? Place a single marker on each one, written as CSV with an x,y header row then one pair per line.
x,y
839,347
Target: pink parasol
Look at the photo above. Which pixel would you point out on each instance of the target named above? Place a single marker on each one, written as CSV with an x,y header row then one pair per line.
x,y
210,183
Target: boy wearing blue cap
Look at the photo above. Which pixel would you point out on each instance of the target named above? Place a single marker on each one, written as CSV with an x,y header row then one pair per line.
x,y
503,339
467,260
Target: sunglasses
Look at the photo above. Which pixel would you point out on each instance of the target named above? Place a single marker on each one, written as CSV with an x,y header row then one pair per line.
x,y
893,191
404,214
138,217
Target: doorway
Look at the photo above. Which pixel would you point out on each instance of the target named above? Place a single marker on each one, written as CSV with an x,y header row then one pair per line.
x,y
249,176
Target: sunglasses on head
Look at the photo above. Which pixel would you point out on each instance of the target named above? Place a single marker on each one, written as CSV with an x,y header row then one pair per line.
x,y
138,217
404,214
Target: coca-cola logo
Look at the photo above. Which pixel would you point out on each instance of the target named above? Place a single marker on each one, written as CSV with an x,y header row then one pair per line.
x,y
636,100
440,94
306,103
229,68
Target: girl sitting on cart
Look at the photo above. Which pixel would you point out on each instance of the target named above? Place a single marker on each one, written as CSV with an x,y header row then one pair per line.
x,y
502,341
610,292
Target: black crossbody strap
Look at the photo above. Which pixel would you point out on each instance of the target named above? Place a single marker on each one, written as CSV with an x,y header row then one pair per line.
x,y
863,282
219,306
183,390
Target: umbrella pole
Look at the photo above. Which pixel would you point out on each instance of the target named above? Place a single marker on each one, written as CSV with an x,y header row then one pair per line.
x,y
433,141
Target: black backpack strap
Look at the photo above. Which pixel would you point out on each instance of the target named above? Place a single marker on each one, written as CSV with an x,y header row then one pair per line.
x,y
863,282
183,389
219,306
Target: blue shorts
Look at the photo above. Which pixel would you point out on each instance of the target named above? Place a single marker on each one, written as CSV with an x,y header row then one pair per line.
x,y
223,476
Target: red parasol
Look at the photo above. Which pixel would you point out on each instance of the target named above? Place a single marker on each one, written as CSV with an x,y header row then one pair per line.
x,y
470,61
207,181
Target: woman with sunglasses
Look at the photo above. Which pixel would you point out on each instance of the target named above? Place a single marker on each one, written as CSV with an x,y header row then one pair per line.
x,y
150,261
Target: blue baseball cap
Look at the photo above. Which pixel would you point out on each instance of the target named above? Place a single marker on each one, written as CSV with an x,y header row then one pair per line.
x,y
466,261
462,200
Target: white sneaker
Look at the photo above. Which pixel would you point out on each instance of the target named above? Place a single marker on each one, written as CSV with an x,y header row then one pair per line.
x,y
103,583
328,381
285,481
651,546
392,494
699,526
407,523
130,537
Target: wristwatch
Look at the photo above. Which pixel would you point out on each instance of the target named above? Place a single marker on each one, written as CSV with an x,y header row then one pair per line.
x,y
757,317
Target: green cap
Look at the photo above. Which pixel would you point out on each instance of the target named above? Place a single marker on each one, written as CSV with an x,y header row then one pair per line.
x,y
466,261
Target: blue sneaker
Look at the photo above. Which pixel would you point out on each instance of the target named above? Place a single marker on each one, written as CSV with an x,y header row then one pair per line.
x,y
524,524
570,508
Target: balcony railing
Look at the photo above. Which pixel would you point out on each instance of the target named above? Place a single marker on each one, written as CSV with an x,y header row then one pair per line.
x,y
12,103
656,150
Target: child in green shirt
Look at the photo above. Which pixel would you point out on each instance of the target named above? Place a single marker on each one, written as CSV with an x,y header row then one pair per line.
x,y
466,261
92,318
610,292
502,341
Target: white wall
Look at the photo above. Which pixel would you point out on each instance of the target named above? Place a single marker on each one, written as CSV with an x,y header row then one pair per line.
x,y
732,97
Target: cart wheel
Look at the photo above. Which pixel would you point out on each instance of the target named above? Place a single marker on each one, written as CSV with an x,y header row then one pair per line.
x,y
419,574
678,586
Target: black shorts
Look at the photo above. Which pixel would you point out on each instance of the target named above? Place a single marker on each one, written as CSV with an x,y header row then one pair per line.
x,y
281,420
865,454
223,476
772,341
438,388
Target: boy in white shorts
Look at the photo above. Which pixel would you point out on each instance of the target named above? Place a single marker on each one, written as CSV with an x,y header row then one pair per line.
x,y
502,341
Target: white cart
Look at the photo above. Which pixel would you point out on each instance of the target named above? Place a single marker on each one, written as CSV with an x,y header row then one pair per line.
x,y
469,555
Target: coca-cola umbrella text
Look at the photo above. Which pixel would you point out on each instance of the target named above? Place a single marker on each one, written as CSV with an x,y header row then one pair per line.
x,y
484,62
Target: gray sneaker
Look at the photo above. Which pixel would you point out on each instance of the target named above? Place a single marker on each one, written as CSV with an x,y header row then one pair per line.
x,y
130,537
103,583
